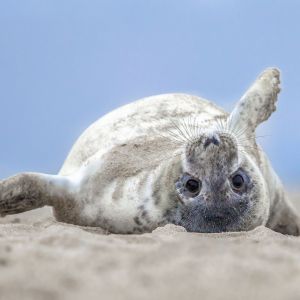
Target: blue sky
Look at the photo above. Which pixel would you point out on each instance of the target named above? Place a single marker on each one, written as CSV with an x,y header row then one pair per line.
x,y
63,64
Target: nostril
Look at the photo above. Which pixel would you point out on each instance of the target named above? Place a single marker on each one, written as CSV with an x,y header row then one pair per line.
x,y
211,140
215,141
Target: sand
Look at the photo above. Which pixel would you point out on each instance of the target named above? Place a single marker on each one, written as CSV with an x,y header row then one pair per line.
x,y
44,259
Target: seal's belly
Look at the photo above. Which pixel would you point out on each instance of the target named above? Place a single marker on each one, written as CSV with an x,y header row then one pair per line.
x,y
127,205
126,189
147,117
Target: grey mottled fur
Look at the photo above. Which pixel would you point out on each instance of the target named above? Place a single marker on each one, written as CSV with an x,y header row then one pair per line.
x,y
127,172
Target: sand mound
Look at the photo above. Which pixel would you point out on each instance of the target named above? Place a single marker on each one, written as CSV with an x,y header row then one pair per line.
x,y
51,260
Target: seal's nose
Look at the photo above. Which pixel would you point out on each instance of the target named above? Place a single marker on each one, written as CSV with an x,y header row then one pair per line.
x,y
211,140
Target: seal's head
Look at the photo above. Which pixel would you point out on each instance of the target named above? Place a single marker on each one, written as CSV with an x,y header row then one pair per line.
x,y
222,187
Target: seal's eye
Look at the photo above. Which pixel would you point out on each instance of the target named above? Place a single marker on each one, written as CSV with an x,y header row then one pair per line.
x,y
193,186
237,182
188,186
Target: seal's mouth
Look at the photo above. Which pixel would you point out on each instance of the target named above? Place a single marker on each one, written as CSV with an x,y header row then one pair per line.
x,y
197,217
221,217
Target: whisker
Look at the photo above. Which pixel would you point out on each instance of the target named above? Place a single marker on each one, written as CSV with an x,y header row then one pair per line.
x,y
173,136
191,127
181,132
186,129
263,136
196,128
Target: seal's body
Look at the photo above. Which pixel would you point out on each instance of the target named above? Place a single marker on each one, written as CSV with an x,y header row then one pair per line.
x,y
129,159
171,158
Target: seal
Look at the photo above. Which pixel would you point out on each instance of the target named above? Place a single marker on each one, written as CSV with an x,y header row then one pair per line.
x,y
172,158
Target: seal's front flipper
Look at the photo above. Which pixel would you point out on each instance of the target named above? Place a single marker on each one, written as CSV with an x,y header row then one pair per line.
x,y
28,191
284,217
257,104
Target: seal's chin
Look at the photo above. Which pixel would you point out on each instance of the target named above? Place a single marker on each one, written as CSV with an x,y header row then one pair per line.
x,y
197,217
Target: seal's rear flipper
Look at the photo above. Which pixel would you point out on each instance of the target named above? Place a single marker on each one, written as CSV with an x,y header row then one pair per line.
x,y
28,191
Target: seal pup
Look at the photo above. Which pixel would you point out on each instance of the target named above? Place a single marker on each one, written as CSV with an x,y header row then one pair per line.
x,y
172,158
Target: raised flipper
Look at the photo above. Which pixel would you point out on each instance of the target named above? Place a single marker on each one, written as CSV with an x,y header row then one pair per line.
x,y
28,191
256,105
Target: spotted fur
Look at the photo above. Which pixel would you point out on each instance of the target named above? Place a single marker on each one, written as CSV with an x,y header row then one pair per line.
x,y
125,172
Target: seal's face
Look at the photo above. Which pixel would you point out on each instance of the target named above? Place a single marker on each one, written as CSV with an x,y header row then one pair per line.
x,y
220,187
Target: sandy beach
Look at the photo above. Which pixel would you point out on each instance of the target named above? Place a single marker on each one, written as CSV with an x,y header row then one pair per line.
x,y
44,259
